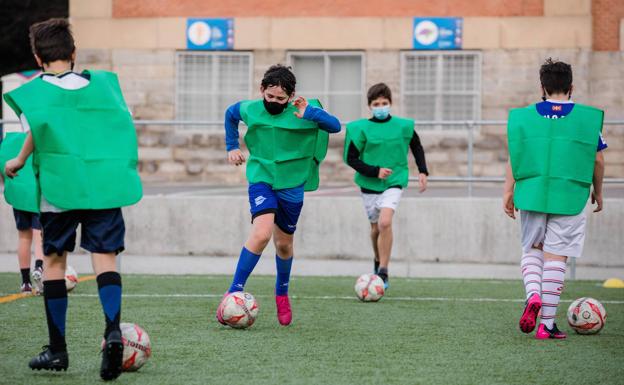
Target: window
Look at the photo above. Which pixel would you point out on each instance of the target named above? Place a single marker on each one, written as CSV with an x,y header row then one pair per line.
x,y
209,82
441,86
336,78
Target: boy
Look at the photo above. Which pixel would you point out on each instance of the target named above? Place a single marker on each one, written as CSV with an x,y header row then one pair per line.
x,y
85,156
376,148
286,141
21,193
553,163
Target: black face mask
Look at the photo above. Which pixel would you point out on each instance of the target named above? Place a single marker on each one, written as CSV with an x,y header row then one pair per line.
x,y
274,108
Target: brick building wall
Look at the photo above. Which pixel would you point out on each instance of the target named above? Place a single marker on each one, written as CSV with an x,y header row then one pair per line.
x,y
139,41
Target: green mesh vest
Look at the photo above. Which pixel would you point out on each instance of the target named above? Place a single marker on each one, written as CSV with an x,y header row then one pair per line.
x,y
553,159
22,191
85,143
384,145
285,151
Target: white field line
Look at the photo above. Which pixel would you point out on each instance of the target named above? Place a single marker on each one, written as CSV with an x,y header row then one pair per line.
x,y
348,298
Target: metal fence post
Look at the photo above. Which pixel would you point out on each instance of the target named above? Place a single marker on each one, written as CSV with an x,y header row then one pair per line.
x,y
470,126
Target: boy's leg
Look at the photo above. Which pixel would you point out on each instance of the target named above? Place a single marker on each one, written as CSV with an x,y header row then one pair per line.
x,y
388,203
24,241
533,232
289,209
374,239
103,233
59,237
565,236
372,212
37,274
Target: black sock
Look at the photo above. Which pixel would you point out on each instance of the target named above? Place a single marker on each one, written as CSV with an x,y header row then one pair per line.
x,y
109,289
25,275
376,266
383,273
38,263
55,299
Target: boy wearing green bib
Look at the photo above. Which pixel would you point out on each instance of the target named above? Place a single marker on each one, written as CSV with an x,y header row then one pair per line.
x,y
555,153
376,148
21,193
85,154
287,142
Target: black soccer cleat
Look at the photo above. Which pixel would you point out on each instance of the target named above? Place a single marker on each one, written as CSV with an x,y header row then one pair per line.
x,y
47,360
112,356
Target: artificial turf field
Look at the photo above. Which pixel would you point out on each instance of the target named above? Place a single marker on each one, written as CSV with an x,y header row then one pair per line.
x,y
424,331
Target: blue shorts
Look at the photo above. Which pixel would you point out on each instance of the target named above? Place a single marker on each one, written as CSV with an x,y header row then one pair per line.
x,y
286,204
103,231
25,220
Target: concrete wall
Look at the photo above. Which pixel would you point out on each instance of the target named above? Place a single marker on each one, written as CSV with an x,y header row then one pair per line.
x,y
426,229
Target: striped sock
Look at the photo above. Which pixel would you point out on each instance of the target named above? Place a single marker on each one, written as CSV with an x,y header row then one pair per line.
x,y
552,285
532,264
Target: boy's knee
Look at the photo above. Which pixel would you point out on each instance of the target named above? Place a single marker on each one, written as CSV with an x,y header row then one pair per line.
x,y
384,224
284,247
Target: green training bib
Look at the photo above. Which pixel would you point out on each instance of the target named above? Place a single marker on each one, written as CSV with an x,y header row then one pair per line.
x,y
22,191
285,151
382,144
85,142
553,159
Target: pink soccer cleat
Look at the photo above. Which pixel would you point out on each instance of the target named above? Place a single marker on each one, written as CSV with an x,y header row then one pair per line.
x,y
284,312
531,310
220,310
543,333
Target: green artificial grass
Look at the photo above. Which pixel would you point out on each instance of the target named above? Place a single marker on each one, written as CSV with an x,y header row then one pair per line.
x,y
425,331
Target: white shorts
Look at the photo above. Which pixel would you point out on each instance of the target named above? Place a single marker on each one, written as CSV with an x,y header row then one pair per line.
x,y
560,234
373,203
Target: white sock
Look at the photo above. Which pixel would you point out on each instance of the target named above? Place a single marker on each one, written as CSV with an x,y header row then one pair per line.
x,y
532,264
552,286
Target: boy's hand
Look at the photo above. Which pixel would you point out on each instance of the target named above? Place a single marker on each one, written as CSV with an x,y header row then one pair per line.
x,y
12,167
422,183
384,173
597,199
508,205
301,103
236,157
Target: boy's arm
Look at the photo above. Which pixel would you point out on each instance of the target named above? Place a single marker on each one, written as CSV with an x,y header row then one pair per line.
x,y
232,118
325,121
419,154
508,191
599,169
354,161
14,165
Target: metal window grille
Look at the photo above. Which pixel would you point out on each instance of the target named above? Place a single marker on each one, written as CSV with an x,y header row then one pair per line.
x,y
441,85
208,82
336,78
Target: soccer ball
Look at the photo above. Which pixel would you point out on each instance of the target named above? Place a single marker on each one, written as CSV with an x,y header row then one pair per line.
x,y
369,287
240,310
586,316
136,346
71,278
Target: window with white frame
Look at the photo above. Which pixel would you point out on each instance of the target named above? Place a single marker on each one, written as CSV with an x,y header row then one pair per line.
x,y
441,86
335,78
209,82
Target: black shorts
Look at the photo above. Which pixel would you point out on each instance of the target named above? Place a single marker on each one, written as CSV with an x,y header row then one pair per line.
x,y
103,231
25,220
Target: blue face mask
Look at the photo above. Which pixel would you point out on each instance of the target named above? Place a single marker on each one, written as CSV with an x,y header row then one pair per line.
x,y
381,113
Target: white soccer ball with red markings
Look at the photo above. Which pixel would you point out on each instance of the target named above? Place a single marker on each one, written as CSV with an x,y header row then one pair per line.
x,y
369,287
586,316
71,278
240,310
137,347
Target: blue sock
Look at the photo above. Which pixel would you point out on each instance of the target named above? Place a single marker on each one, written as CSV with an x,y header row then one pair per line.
x,y
246,263
55,300
283,275
109,289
